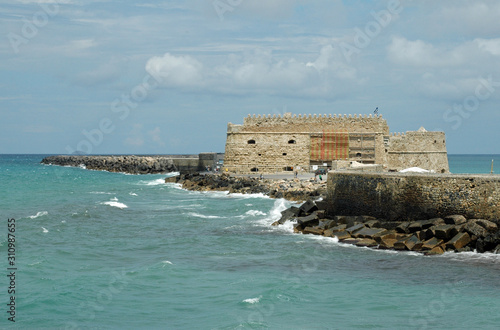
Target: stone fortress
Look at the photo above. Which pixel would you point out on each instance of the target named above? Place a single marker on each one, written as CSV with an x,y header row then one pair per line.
x,y
270,144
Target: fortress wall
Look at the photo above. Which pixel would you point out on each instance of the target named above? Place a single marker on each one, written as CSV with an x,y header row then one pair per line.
x,y
315,123
267,154
418,149
410,196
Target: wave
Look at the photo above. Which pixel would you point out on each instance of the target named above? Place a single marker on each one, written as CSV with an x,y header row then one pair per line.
x,y
155,182
115,204
100,193
132,194
197,215
252,300
255,213
39,214
45,230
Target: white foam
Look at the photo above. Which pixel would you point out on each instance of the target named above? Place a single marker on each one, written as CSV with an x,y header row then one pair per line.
x,y
82,166
156,182
115,204
198,215
114,199
100,193
132,194
45,230
255,213
38,214
252,300
167,262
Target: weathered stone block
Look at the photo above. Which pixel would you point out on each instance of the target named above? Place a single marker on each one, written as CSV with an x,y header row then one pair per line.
x,y
349,240
488,225
387,243
298,228
384,236
458,241
455,219
368,232
435,251
445,231
372,223
367,242
432,243
474,229
403,228
308,221
309,206
420,225
355,228
313,230
342,235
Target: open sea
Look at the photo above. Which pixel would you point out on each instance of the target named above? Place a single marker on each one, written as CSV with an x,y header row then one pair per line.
x,y
115,251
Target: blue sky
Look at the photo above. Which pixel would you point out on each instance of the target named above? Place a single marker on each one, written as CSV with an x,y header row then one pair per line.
x,y
165,77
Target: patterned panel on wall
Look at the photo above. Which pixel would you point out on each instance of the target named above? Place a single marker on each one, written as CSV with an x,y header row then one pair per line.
x,y
330,146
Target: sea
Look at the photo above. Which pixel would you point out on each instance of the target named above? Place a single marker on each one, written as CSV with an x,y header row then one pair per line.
x,y
84,249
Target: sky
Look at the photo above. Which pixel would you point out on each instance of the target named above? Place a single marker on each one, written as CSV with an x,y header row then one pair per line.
x,y
165,77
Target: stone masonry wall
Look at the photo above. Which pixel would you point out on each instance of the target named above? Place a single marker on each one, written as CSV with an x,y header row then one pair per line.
x,y
417,149
410,196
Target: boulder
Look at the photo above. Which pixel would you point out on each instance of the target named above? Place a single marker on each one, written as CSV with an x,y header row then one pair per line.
x,y
488,243
350,241
297,228
431,243
327,224
331,231
313,230
342,235
420,225
366,232
403,228
445,232
458,241
309,206
455,219
367,242
172,179
372,223
355,228
488,225
410,243
321,205
308,221
387,243
435,251
473,228
288,214
384,236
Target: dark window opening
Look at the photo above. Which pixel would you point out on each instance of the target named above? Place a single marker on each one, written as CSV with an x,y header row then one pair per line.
x,y
260,154
251,141
292,142
288,169
358,155
255,169
284,154
442,171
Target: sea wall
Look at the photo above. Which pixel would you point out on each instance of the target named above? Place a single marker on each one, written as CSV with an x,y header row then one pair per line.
x,y
139,164
412,196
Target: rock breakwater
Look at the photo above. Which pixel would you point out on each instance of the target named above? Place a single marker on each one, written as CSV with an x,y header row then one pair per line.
x,y
124,164
429,236
290,189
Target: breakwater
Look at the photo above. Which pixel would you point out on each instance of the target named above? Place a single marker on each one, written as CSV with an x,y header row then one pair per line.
x,y
413,196
139,164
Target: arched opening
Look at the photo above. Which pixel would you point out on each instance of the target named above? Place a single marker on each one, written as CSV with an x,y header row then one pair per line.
x,y
284,154
358,155
442,171
251,141
254,169
292,141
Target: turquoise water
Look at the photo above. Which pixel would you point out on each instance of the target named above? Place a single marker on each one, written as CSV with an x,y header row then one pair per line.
x,y
115,251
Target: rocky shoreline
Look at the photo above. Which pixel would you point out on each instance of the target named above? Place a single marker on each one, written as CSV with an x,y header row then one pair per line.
x,y
290,189
431,236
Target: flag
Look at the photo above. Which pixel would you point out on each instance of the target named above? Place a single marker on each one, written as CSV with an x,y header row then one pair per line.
x,y
376,111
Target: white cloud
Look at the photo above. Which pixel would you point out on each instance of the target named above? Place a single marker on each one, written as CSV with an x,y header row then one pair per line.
x,y
155,136
260,71
176,71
